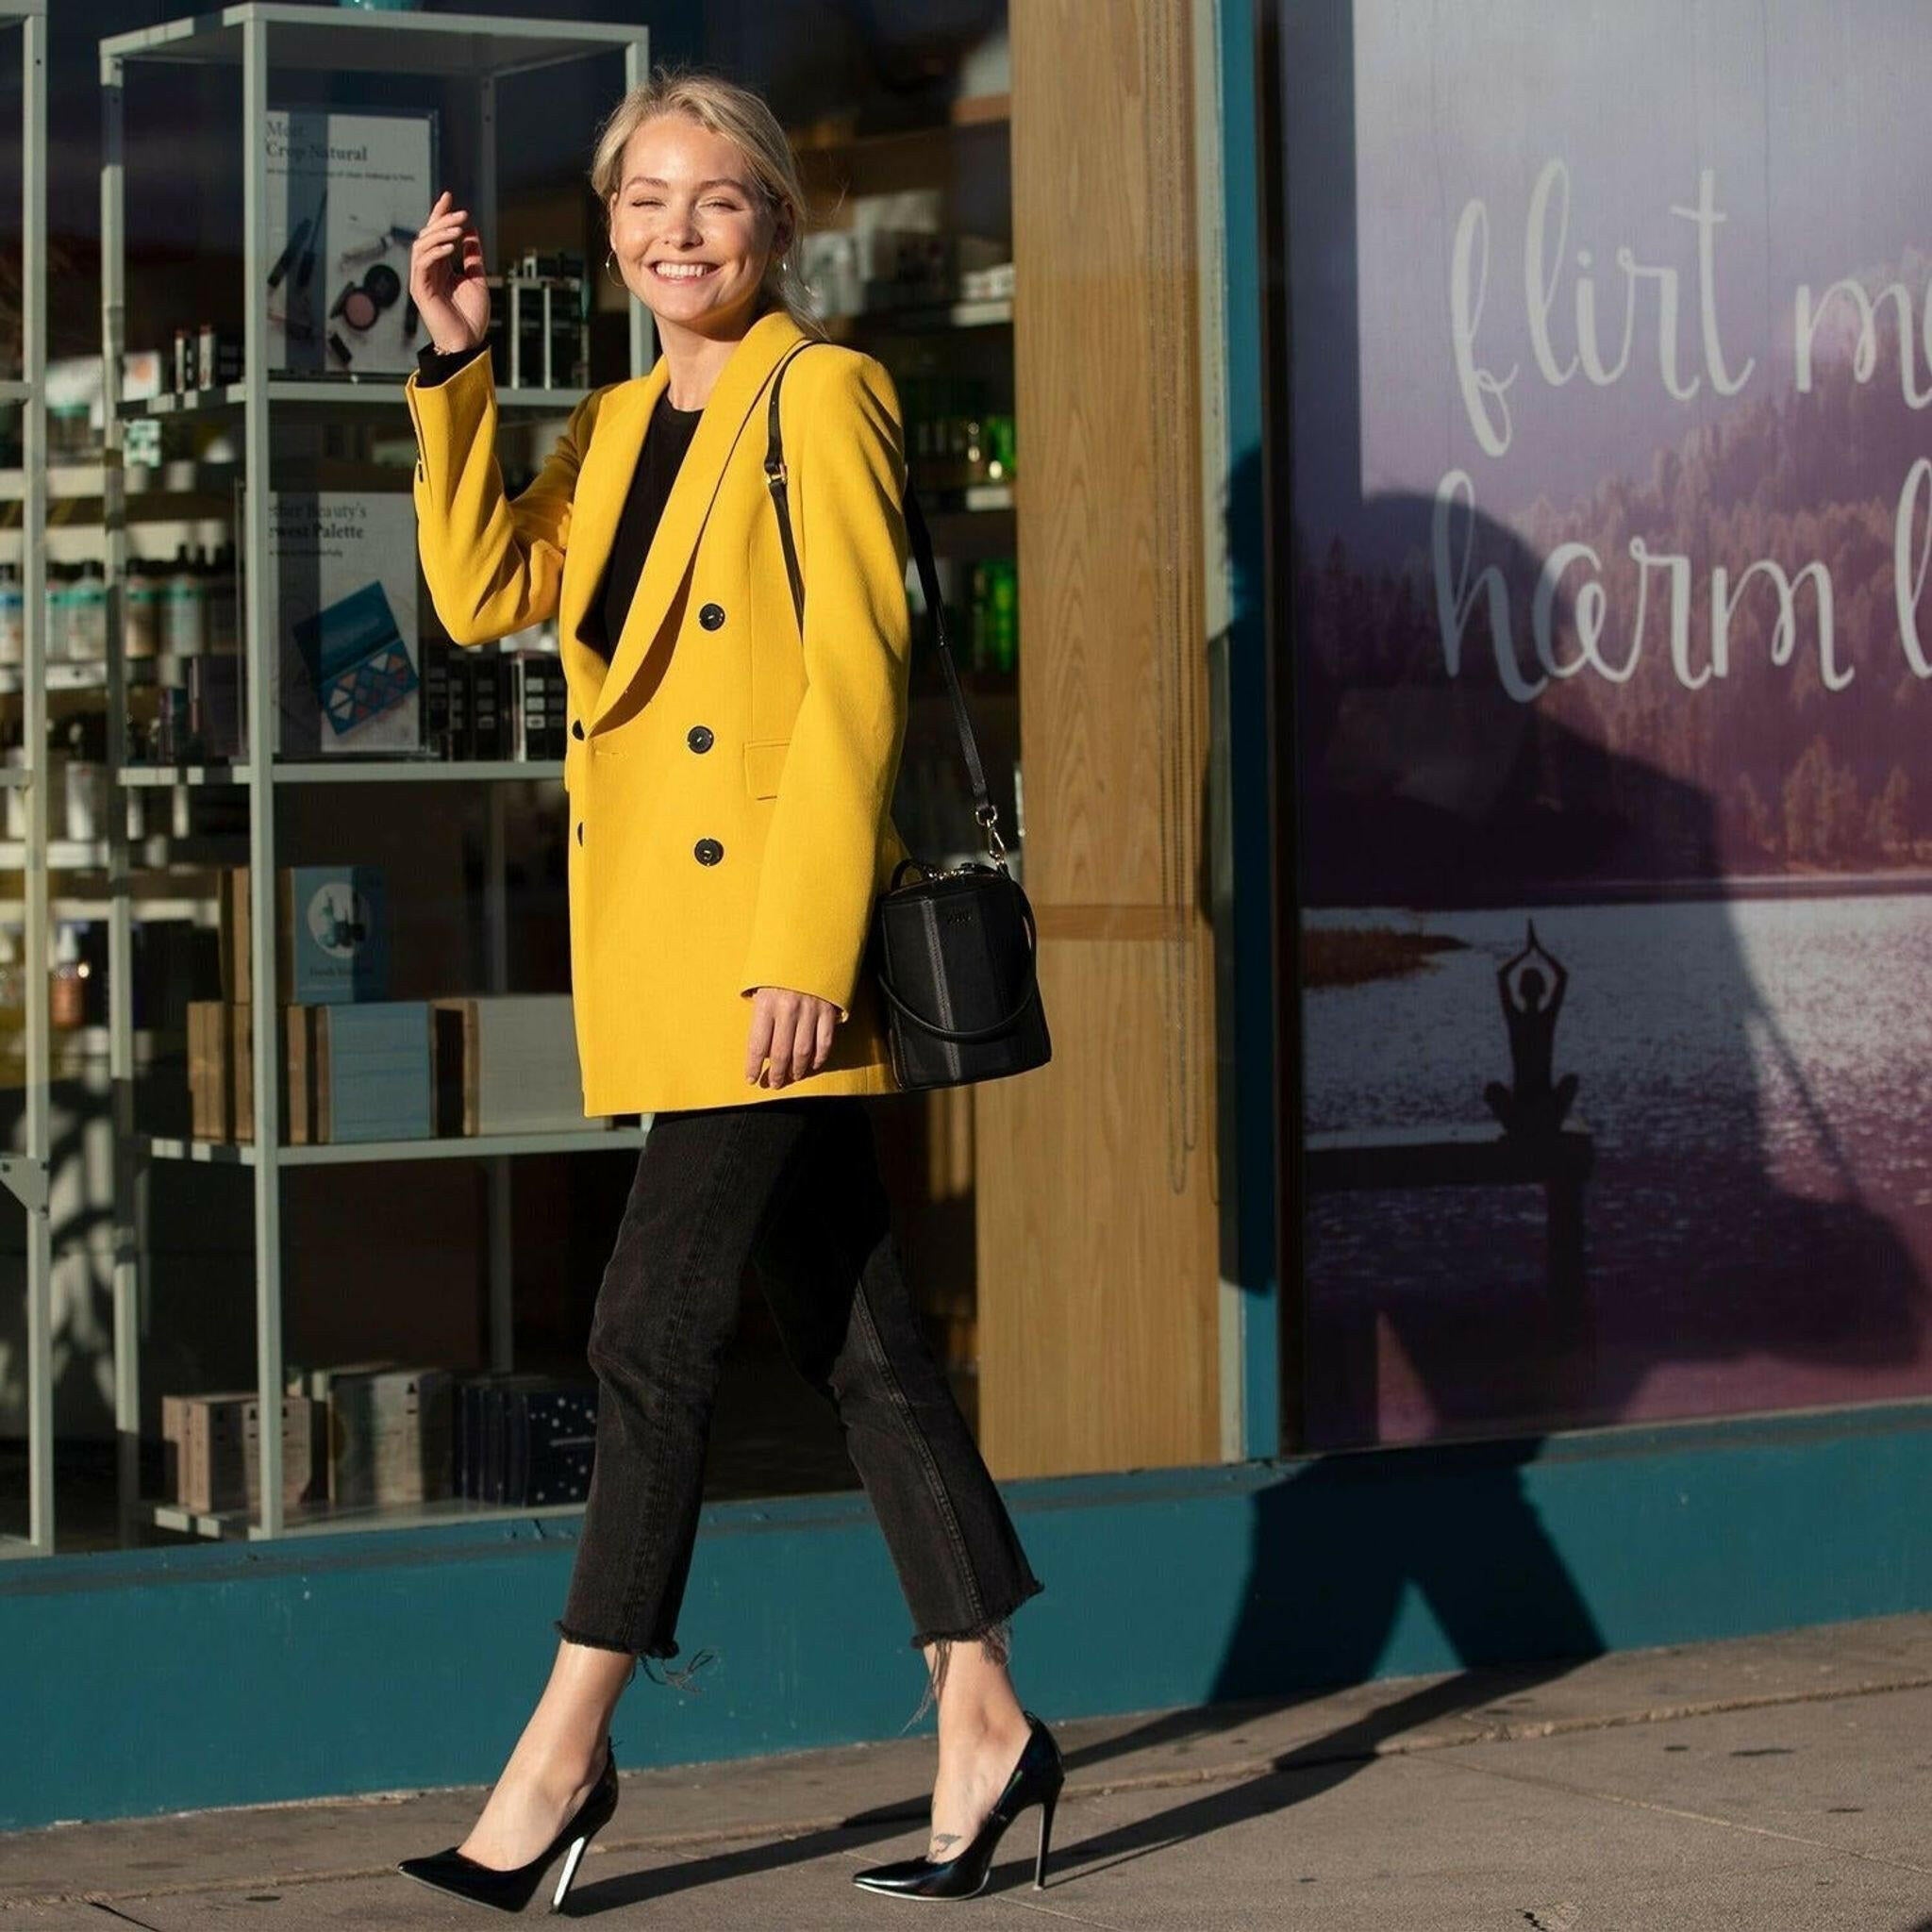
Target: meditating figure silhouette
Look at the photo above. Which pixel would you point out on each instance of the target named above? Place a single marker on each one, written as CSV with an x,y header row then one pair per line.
x,y
1531,1104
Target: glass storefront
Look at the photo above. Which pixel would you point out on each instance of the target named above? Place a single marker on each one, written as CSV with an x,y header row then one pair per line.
x,y
453,1266
1603,630
1577,469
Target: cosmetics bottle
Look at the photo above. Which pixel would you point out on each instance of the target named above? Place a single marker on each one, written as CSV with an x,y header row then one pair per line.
x,y
182,610
59,609
67,997
87,618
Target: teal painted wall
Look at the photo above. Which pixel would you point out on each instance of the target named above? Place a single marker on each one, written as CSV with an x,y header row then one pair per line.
x,y
148,1681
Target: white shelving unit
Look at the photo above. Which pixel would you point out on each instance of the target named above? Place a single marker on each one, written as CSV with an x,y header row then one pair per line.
x,y
346,772
261,38
26,1174
364,393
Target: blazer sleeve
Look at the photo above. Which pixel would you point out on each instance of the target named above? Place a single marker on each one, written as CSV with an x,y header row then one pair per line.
x,y
493,564
816,879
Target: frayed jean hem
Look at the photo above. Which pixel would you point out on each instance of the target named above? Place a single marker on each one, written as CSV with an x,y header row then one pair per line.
x,y
995,1638
681,1679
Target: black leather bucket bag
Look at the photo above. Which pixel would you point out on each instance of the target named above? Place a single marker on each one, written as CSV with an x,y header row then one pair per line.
x,y
954,950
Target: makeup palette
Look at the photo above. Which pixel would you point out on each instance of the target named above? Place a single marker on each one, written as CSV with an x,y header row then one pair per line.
x,y
356,656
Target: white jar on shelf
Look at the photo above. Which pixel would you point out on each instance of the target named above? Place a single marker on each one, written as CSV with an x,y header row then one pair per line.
x,y
59,609
184,614
85,789
88,619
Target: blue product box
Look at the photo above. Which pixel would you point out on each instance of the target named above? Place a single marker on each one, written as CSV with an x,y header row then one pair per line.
x,y
338,933
372,1080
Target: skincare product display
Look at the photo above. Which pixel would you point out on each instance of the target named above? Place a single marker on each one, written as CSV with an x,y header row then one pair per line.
x,y
494,704
995,630
205,356
896,251
539,323
955,440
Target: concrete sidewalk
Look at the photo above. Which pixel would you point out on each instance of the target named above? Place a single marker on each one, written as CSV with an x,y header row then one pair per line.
x,y
1764,1783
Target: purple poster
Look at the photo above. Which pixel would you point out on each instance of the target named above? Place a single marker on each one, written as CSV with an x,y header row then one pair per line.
x,y
1610,451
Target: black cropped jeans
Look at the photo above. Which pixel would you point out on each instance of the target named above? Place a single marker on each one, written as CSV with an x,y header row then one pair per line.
x,y
793,1186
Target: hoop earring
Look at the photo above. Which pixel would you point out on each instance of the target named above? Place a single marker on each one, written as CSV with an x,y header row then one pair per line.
x,y
609,258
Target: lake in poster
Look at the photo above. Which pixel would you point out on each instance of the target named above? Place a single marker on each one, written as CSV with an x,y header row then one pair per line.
x,y
1611,461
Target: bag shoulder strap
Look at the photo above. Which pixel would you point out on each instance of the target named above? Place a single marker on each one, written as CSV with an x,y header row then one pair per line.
x,y
984,810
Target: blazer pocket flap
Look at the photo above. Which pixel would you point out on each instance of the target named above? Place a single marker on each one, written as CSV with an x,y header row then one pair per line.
x,y
763,761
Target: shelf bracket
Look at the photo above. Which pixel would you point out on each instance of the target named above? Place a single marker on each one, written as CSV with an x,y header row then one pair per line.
x,y
27,1181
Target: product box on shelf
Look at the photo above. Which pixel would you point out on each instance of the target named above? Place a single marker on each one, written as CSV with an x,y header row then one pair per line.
x,y
494,701
212,1450
507,1063
539,705
347,622
436,721
458,738
477,706
521,1440
369,1073
487,710
540,330
220,1072
334,934
386,1432
349,1072
301,1128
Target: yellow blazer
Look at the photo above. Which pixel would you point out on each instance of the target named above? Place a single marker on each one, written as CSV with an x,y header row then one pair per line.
x,y
729,781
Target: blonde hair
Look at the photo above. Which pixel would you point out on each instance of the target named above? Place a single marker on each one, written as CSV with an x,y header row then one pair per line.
x,y
742,118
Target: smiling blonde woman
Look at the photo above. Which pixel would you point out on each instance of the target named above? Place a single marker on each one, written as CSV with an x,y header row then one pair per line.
x,y
729,775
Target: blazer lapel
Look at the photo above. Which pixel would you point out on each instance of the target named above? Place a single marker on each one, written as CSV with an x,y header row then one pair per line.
x,y
608,464
605,479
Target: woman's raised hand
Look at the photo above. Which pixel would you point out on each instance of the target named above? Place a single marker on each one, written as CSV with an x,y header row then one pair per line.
x,y
446,278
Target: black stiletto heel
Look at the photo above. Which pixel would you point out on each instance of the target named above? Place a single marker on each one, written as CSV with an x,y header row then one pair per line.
x,y
510,1892
1036,1780
1046,1805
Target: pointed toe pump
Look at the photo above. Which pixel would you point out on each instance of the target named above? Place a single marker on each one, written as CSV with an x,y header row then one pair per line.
x,y
510,1892
1036,1780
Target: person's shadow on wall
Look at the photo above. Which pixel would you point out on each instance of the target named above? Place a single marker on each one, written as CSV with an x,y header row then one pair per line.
x,y
1460,1286
1399,777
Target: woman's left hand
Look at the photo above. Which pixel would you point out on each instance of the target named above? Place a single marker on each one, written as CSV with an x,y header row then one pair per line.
x,y
793,1029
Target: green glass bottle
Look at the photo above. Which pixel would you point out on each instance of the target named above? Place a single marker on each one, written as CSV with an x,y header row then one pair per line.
x,y
1004,586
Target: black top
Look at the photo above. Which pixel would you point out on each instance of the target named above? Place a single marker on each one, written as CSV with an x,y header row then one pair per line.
x,y
665,442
